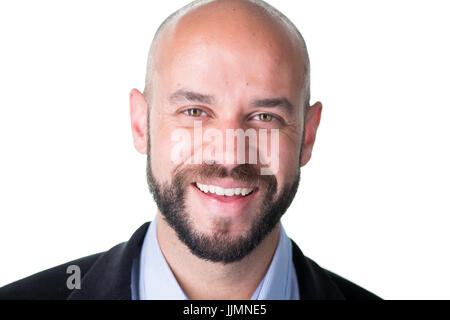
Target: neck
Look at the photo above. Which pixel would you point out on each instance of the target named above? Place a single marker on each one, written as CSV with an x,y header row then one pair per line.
x,y
237,280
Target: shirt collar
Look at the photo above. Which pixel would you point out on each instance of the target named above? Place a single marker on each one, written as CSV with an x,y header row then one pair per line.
x,y
280,281
157,282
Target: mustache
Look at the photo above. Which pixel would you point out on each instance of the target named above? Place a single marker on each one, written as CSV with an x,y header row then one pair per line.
x,y
247,174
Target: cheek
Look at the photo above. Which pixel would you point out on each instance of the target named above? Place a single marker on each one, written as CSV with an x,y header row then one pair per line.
x,y
289,160
160,152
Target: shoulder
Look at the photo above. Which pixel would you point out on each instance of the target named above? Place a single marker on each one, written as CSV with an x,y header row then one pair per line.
x,y
350,290
317,283
104,275
48,284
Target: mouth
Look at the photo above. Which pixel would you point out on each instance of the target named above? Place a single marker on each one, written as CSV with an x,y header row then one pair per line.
x,y
230,193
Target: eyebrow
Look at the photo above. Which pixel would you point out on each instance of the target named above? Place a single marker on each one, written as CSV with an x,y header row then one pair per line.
x,y
195,97
182,95
273,103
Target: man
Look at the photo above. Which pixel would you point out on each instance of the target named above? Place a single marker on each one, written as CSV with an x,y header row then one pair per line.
x,y
226,124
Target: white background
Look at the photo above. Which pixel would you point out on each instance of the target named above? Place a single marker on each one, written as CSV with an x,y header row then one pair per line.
x,y
373,204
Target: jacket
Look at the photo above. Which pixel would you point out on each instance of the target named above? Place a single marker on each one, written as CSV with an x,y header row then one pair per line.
x,y
107,276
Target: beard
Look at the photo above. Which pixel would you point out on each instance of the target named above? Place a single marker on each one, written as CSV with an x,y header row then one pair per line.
x,y
220,246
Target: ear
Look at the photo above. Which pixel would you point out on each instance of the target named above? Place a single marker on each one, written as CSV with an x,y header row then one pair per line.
x,y
312,121
138,112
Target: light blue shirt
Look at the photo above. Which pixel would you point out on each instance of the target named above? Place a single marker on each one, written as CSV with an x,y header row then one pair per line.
x,y
152,279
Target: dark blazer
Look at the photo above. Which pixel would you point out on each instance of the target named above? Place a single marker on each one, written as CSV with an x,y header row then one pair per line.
x,y
107,275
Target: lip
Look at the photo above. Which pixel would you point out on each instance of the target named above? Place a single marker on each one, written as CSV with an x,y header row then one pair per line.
x,y
224,206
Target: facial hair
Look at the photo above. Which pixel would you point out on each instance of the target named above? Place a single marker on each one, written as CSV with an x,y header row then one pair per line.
x,y
220,246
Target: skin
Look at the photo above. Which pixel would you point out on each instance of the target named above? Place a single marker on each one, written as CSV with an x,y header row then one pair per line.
x,y
236,53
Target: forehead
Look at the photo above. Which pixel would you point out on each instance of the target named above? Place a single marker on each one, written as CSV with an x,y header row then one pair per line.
x,y
233,52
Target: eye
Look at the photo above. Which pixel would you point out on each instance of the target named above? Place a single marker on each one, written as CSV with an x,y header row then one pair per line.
x,y
264,117
194,112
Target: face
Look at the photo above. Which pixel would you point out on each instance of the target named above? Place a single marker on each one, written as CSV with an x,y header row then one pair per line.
x,y
222,210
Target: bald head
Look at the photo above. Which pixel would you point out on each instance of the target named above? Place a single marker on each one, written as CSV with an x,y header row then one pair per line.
x,y
236,24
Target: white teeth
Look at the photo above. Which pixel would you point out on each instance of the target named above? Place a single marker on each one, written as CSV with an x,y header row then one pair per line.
x,y
203,188
229,192
222,191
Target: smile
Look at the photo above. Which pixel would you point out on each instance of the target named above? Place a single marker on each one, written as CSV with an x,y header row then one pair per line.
x,y
224,198
228,192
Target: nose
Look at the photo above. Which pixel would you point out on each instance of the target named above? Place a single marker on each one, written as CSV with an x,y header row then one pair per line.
x,y
229,142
